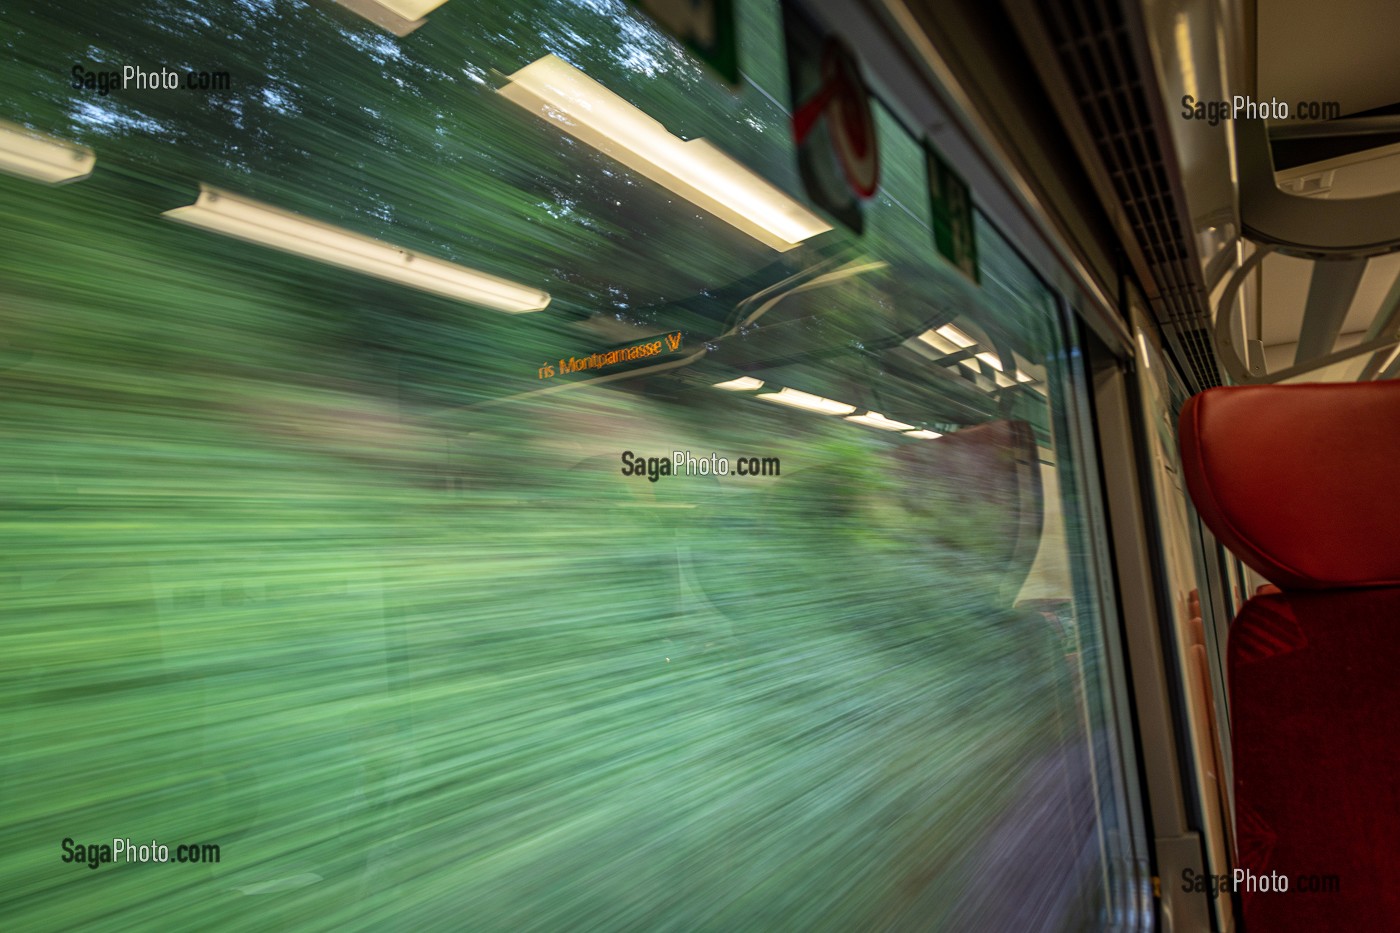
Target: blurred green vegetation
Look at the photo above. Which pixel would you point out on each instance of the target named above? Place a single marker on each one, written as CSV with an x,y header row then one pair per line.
x,y
293,565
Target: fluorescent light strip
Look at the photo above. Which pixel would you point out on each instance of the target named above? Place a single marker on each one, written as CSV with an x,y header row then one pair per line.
x,y
742,384
951,333
876,420
1021,365
927,435
692,169
940,343
400,17
1003,380
803,400
412,9
38,157
249,220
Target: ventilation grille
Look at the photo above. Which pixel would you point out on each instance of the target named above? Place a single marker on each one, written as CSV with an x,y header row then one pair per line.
x,y
1197,352
1092,44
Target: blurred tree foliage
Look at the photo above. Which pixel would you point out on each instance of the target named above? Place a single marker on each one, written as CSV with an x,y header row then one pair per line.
x,y
292,563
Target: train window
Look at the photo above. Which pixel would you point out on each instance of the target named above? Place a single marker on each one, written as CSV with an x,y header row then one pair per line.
x,y
440,482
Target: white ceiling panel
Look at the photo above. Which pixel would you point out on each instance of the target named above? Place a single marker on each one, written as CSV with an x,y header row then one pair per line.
x,y
1345,50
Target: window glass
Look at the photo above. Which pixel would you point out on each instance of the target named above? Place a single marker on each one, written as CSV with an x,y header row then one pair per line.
x,y
736,588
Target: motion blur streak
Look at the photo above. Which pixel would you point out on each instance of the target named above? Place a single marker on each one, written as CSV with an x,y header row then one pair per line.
x,y
294,563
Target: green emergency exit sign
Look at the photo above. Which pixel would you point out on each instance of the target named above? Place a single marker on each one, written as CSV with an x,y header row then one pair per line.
x,y
951,202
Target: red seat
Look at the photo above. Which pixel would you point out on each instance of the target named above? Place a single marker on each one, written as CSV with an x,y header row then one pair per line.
x,y
1301,483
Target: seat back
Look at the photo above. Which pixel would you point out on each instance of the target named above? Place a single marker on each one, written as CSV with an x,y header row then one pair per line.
x,y
1303,484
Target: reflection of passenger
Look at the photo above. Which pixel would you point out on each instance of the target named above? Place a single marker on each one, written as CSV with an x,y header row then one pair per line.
x,y
980,490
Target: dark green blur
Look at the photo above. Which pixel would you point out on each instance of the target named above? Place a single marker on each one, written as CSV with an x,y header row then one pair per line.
x,y
304,564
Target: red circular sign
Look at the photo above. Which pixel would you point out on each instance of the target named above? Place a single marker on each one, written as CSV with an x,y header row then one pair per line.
x,y
850,121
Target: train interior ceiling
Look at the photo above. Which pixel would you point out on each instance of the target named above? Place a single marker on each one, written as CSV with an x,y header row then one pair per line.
x,y
670,465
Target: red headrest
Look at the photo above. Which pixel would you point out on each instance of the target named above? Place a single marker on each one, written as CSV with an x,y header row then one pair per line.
x,y
1302,481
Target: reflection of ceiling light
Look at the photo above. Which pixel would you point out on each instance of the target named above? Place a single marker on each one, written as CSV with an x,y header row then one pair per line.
x,y
258,223
742,384
803,400
991,359
876,420
939,342
398,16
949,332
42,158
412,9
1003,380
929,435
1020,363
693,169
